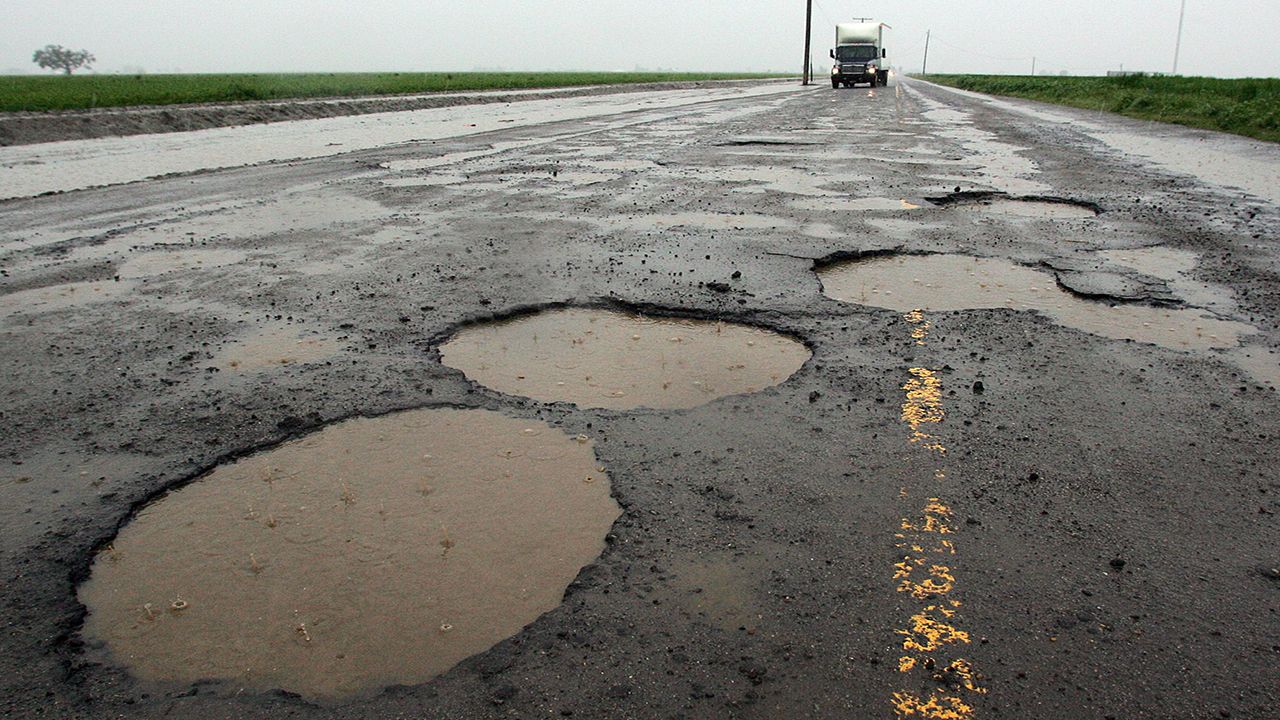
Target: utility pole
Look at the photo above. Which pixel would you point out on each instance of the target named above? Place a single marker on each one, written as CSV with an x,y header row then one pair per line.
x,y
924,69
1033,66
1177,47
808,34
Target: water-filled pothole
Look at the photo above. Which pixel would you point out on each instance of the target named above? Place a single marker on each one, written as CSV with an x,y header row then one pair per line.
x,y
1045,208
607,359
373,552
961,282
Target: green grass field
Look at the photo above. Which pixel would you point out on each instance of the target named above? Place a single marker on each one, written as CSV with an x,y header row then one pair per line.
x,y
1249,107
76,92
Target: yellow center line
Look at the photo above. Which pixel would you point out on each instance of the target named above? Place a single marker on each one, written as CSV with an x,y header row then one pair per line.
x,y
923,407
933,633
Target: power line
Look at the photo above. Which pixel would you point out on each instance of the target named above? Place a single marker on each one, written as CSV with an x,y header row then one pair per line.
x,y
1036,61
984,55
824,12
904,50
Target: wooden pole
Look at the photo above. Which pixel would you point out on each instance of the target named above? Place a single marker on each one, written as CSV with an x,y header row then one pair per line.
x,y
808,33
924,70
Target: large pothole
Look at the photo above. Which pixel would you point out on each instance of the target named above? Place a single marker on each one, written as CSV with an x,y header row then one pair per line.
x,y
607,359
1031,206
962,282
373,552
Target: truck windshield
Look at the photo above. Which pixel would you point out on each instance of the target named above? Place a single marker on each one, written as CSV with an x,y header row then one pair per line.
x,y
856,52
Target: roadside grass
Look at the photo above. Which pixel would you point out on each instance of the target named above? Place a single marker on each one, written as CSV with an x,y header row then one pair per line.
x,y
1249,107
78,92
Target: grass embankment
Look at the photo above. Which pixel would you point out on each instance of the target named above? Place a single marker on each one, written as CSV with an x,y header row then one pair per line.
x,y
1249,107
77,92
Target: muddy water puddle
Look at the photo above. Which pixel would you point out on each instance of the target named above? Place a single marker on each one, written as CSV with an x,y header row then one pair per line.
x,y
62,297
872,204
424,181
275,346
373,552
1027,208
774,178
1174,266
698,220
961,282
1000,164
1260,364
620,164
724,592
557,176
147,265
158,263
607,359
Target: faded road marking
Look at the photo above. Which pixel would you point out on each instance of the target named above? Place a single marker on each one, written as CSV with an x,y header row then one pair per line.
x,y
932,635
923,406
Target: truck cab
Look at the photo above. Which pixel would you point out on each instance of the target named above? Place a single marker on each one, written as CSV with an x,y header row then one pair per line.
x,y
860,55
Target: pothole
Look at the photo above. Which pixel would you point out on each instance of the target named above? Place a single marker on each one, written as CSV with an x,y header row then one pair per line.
x,y
606,359
370,553
1165,263
961,282
991,203
766,140
1175,267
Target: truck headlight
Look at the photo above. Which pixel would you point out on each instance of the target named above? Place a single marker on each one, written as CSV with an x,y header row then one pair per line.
x,y
835,69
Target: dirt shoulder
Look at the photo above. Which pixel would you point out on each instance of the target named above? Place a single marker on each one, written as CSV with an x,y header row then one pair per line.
x,y
30,128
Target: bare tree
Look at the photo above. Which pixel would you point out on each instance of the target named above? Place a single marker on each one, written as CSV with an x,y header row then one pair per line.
x,y
56,57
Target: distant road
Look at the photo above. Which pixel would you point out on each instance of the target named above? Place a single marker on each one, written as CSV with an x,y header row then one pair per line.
x,y
68,165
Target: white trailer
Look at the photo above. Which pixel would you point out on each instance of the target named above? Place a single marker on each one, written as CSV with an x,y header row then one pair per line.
x,y
860,55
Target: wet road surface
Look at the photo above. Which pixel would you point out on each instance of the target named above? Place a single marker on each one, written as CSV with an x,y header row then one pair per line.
x,y
1026,470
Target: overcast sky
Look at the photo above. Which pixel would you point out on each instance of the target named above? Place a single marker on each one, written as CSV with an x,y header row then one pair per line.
x,y
1225,38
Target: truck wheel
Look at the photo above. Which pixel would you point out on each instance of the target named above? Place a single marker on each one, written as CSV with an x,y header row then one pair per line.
x,y
835,84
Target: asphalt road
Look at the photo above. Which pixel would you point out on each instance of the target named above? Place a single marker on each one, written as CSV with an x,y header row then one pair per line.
x,y
967,513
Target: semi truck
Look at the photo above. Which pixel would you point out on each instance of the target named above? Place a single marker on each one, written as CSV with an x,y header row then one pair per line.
x,y
860,55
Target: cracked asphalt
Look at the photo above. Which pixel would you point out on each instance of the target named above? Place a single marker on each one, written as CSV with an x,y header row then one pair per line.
x,y
1111,504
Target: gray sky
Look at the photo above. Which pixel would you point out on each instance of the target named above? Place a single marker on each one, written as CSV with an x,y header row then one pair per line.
x,y
1225,38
